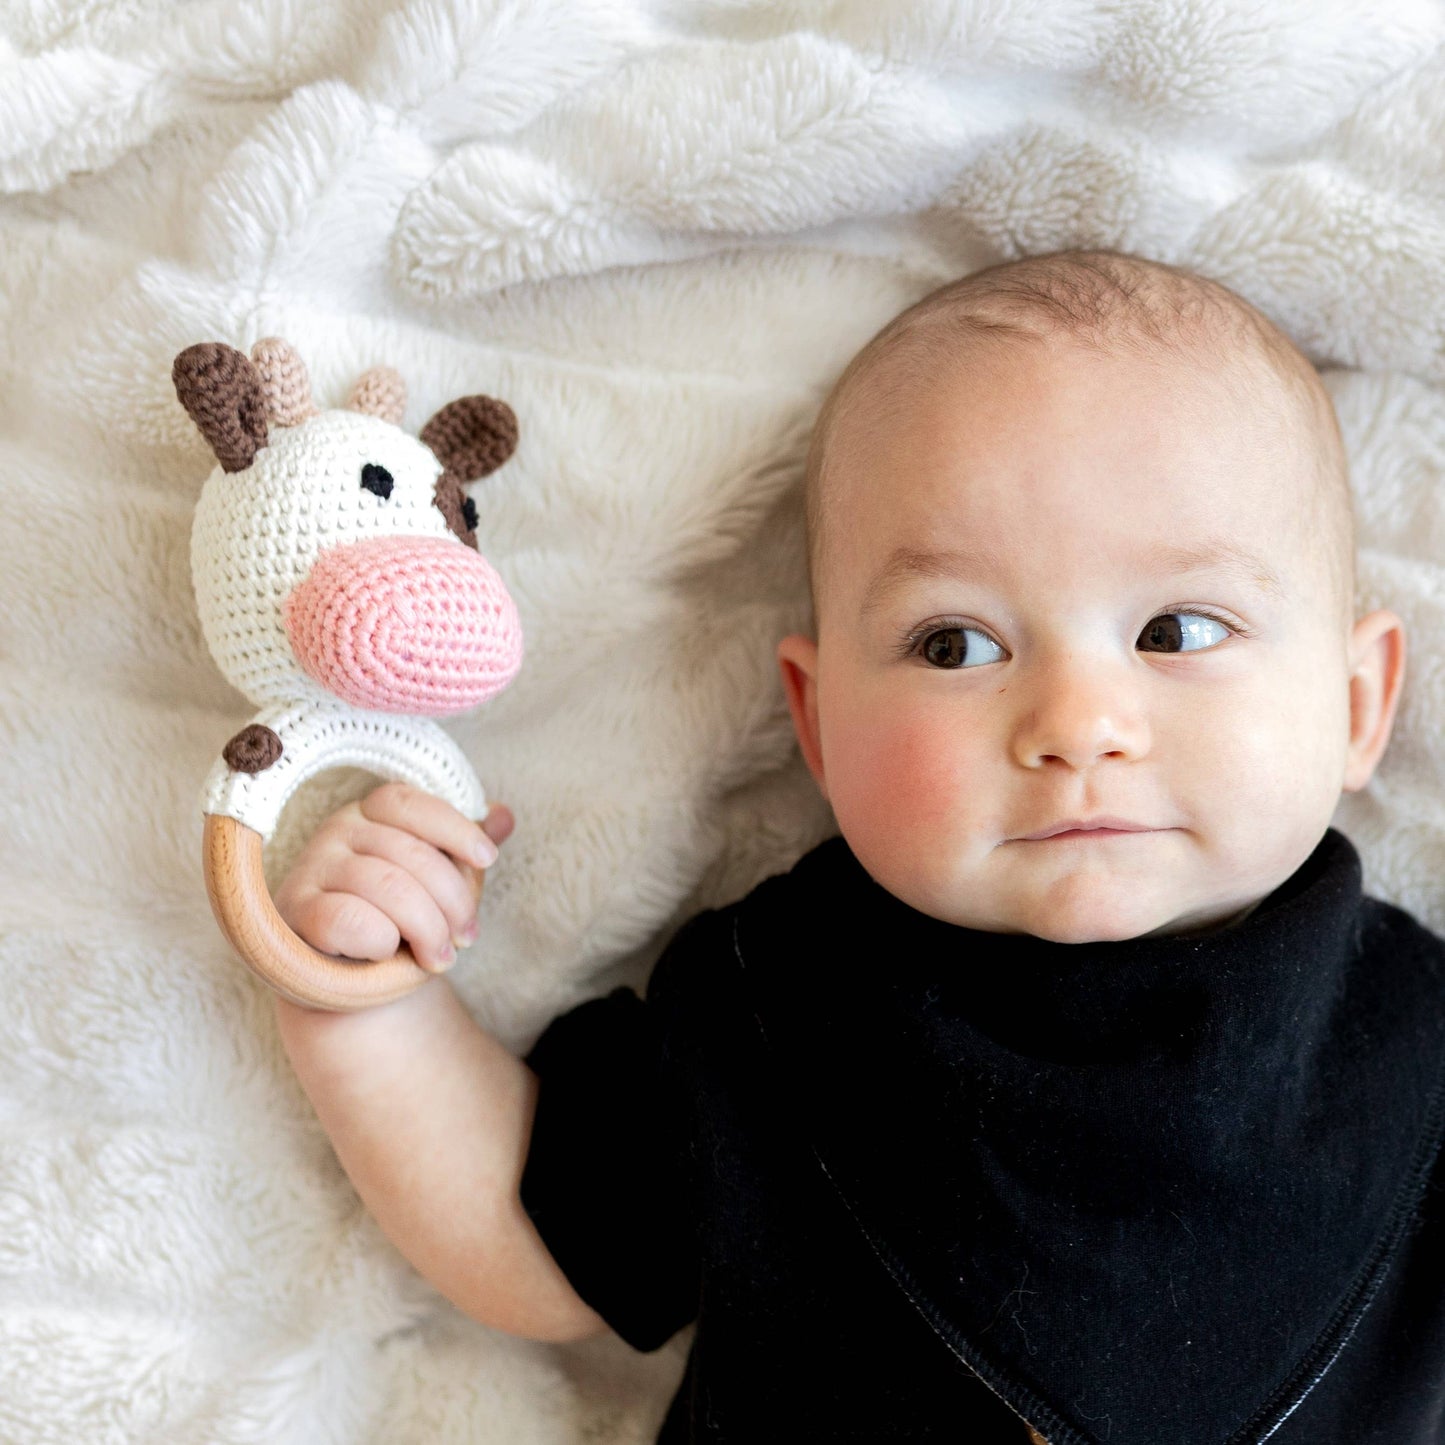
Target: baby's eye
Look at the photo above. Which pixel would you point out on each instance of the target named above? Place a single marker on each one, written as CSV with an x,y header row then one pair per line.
x,y
1171,632
944,647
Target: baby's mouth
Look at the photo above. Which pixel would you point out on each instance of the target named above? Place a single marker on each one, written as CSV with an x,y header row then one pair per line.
x,y
1081,834
1080,828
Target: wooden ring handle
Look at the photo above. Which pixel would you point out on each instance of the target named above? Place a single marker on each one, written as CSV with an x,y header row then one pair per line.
x,y
241,901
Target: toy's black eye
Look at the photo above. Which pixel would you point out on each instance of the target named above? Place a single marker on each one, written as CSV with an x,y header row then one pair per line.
x,y
469,513
376,479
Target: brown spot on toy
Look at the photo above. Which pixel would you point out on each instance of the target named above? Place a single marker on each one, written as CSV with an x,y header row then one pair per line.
x,y
458,508
253,749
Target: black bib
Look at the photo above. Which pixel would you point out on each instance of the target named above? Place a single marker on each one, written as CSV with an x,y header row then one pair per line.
x,y
1144,1189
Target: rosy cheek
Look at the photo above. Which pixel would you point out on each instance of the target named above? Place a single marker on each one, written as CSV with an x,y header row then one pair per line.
x,y
897,773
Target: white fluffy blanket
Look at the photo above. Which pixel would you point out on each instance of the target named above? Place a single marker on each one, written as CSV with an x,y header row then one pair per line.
x,y
658,229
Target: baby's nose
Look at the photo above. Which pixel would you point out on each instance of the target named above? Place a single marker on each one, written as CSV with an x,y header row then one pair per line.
x,y
1081,717
419,625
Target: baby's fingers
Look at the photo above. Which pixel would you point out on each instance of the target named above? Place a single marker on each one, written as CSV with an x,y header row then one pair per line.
x,y
433,820
370,904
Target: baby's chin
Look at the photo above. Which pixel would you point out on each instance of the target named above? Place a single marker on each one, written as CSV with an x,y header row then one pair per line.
x,y
1101,925
1079,910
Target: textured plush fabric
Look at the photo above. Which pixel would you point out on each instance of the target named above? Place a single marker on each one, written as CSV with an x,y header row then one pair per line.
x,y
1165,1189
659,231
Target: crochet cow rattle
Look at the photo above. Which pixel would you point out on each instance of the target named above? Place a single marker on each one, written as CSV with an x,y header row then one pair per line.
x,y
339,587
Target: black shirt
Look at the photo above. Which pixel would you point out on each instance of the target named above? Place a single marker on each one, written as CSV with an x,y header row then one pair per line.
x,y
921,1182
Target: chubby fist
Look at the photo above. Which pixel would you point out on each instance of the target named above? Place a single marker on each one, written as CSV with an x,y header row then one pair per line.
x,y
385,869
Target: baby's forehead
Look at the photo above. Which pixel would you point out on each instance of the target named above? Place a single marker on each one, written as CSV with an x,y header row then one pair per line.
x,y
1229,373
1136,465
1164,419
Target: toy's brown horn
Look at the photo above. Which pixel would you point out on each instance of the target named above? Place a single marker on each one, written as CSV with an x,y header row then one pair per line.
x,y
285,380
472,436
379,392
221,390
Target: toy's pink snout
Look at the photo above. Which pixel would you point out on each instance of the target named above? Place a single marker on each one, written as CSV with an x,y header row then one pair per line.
x,y
420,625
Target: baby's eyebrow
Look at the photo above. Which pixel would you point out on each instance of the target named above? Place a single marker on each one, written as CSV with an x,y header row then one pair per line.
x,y
962,561
1222,555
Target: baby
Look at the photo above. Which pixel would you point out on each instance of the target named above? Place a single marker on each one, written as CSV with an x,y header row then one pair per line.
x,y
1075,1090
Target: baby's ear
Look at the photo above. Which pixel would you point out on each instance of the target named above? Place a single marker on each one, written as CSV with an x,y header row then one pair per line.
x,y
798,664
1377,673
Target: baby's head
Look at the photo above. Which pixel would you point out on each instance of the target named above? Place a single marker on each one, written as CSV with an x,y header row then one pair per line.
x,y
1081,545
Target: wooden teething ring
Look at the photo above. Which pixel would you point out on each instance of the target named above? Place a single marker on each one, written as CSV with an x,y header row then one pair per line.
x,y
241,901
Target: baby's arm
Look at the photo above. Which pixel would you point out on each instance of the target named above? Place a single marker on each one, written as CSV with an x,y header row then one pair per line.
x,y
429,1115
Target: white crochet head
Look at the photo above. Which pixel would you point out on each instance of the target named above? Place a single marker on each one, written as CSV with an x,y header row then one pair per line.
x,y
335,556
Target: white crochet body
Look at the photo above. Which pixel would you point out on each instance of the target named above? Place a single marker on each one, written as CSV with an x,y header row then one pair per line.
x,y
331,734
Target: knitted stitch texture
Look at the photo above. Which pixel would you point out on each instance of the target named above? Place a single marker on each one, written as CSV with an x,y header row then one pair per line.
x,y
382,392
284,381
206,373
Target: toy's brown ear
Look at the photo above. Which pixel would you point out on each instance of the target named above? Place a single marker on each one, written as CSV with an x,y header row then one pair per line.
x,y
221,389
472,436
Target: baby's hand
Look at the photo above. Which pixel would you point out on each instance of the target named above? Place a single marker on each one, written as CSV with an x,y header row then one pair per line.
x,y
377,871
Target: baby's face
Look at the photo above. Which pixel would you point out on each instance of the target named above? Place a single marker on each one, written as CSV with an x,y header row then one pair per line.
x,y
1065,665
